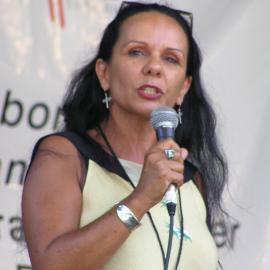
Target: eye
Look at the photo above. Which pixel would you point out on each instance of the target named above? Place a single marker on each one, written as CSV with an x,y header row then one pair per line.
x,y
136,52
171,59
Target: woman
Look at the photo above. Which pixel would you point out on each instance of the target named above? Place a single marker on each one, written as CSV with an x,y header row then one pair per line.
x,y
88,189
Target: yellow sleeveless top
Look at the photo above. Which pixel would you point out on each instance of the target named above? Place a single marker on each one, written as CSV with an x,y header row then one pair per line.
x,y
103,189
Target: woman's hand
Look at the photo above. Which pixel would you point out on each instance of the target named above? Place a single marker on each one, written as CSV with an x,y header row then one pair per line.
x,y
159,172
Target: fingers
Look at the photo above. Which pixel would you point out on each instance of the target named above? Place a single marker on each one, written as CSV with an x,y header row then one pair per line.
x,y
159,172
184,153
172,170
180,154
168,144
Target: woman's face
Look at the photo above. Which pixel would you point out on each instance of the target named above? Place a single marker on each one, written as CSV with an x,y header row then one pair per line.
x,y
148,65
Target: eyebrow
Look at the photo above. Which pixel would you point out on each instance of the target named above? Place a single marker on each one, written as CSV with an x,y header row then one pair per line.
x,y
144,43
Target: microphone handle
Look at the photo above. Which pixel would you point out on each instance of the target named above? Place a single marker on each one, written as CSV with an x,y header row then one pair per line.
x,y
165,132
170,195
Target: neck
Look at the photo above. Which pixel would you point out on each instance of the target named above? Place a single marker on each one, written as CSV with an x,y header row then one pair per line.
x,y
130,137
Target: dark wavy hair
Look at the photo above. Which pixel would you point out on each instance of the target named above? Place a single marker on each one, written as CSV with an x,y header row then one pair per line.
x,y
83,108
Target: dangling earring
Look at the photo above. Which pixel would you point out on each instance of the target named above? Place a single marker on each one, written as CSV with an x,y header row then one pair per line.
x,y
180,113
106,100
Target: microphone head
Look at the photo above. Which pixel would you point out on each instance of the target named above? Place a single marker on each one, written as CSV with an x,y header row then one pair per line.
x,y
164,117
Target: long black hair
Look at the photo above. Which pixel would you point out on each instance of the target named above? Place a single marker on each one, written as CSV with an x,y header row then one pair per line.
x,y
83,108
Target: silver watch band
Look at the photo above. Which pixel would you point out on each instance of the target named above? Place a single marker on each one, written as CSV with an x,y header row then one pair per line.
x,y
127,217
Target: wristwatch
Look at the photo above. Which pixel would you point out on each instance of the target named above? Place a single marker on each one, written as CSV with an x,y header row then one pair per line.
x,y
127,217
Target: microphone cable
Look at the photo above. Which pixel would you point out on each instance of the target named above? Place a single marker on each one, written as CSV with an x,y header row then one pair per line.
x,y
169,246
181,229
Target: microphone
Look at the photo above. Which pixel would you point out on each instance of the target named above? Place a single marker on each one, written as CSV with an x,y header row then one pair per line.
x,y
165,120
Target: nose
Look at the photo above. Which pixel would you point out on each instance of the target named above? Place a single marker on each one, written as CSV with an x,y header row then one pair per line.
x,y
153,67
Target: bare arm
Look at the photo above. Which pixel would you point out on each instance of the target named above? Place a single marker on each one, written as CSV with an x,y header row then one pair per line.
x,y
51,208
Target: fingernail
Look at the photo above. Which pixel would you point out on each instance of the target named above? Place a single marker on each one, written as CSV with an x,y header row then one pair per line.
x,y
184,153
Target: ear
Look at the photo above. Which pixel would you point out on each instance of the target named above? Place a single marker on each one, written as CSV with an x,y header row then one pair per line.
x,y
184,90
101,68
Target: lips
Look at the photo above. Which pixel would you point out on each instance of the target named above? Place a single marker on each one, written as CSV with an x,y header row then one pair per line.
x,y
150,92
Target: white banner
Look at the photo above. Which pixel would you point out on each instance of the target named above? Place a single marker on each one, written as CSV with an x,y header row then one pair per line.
x,y
42,42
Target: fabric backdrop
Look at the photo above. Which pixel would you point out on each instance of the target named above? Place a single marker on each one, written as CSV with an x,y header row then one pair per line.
x,y
42,42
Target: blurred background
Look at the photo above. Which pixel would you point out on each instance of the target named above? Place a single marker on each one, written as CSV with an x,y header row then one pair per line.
x,y
42,42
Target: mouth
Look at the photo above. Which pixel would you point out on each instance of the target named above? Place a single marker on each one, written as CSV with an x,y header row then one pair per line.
x,y
150,92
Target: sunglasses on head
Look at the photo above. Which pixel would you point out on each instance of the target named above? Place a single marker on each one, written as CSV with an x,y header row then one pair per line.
x,y
187,16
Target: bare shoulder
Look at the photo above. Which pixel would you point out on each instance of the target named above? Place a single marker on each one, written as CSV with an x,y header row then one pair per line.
x,y
58,145
58,158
